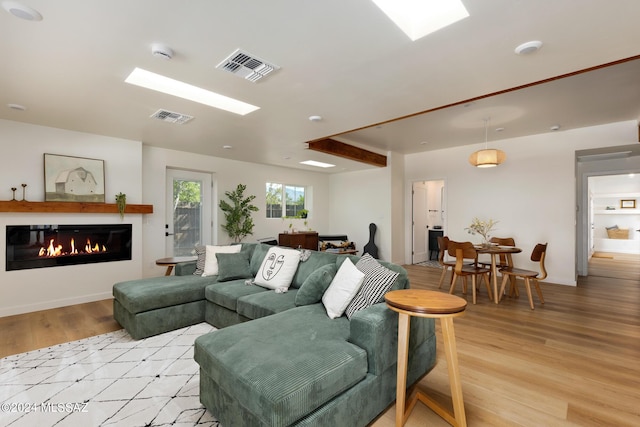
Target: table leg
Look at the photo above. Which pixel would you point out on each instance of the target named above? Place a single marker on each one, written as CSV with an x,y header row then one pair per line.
x,y
458,418
494,277
401,380
169,270
451,354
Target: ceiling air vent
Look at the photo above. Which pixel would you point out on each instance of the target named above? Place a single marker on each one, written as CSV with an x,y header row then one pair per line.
x,y
171,117
247,66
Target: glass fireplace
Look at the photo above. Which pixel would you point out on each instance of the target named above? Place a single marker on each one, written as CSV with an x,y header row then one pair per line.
x,y
38,246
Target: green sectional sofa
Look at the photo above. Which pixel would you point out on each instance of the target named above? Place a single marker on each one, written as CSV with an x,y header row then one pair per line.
x,y
278,359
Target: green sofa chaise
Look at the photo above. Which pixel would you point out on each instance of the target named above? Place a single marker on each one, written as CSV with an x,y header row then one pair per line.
x,y
278,359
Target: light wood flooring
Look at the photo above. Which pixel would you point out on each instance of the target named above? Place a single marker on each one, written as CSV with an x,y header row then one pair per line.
x,y
574,361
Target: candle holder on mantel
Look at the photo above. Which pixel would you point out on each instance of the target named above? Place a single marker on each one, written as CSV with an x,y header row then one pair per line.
x,y
24,189
14,194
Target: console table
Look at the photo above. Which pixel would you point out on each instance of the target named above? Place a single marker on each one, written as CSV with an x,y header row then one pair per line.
x,y
301,239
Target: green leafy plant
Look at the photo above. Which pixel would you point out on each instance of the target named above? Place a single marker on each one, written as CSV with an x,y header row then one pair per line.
x,y
121,202
237,213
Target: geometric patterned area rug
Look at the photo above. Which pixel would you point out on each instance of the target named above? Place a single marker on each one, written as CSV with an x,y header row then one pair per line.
x,y
106,380
429,263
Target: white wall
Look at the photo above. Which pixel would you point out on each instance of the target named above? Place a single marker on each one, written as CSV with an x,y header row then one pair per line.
x,y
532,194
22,161
227,174
361,198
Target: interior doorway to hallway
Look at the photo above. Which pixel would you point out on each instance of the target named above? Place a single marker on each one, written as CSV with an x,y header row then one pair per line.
x,y
428,219
599,207
614,218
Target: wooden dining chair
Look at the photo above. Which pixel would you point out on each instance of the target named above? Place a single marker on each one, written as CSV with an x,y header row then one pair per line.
x,y
504,261
443,243
464,252
537,255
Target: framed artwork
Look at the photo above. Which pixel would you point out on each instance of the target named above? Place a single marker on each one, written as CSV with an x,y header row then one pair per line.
x,y
628,204
73,179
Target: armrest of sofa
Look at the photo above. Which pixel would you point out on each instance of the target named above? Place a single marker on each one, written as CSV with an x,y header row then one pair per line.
x,y
375,329
185,268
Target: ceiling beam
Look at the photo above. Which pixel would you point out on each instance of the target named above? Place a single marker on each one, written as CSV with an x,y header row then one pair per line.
x,y
340,149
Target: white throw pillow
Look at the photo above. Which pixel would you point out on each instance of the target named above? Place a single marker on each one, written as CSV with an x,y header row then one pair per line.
x,y
342,289
278,268
210,260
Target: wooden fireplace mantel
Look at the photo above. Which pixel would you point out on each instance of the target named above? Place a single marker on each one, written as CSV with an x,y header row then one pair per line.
x,y
71,207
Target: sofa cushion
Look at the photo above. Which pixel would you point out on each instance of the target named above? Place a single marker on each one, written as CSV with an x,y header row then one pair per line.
x,y
315,261
278,268
342,289
201,253
142,295
264,304
315,285
211,261
226,294
233,266
259,252
261,362
378,279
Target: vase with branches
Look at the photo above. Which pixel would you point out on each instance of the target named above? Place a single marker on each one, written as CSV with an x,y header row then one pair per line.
x,y
483,228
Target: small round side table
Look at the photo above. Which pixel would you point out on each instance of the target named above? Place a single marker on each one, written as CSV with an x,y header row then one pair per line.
x,y
171,262
438,305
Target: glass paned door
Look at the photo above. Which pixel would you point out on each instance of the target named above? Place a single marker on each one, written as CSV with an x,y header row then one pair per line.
x,y
188,211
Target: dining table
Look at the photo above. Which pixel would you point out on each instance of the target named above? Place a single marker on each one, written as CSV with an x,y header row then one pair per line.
x,y
495,251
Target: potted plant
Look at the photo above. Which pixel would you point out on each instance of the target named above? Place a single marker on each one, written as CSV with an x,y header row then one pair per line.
x,y
237,213
121,202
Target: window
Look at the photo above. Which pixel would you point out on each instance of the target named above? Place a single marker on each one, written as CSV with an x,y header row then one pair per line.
x,y
284,200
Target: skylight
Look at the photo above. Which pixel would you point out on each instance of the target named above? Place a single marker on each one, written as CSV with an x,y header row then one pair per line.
x,y
159,83
317,164
417,18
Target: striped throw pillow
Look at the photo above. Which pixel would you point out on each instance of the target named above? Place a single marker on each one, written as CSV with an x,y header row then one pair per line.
x,y
378,279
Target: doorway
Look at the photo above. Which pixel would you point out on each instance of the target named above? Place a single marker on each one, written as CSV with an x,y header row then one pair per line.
x,y
621,164
189,204
614,238
428,220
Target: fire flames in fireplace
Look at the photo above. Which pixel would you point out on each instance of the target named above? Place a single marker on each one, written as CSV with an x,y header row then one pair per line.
x,y
46,245
56,249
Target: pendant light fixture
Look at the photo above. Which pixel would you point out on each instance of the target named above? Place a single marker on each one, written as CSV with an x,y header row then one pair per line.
x,y
489,157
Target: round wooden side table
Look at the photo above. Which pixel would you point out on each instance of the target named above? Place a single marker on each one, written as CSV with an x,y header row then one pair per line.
x,y
439,305
172,261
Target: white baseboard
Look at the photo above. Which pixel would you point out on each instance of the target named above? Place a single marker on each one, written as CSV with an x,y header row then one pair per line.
x,y
29,308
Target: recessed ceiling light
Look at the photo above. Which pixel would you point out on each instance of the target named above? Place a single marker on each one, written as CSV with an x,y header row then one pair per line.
x,y
160,50
153,81
317,164
17,107
21,11
528,47
315,118
499,129
227,147
555,127
424,143
417,18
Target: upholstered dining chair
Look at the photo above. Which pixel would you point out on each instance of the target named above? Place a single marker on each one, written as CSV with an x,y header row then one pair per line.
x,y
465,251
537,255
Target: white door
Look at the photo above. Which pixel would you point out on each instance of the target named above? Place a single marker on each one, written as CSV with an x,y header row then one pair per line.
x,y
189,207
420,236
